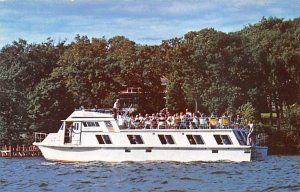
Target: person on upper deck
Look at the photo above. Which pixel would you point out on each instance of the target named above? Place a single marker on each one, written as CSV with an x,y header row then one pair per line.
x,y
187,112
116,108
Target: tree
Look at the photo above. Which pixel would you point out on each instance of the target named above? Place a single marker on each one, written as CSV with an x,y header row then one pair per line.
x,y
270,41
83,70
22,66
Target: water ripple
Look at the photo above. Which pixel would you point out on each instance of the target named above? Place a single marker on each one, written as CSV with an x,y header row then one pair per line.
x,y
278,173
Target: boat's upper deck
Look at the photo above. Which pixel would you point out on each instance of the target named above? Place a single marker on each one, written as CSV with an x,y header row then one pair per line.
x,y
156,121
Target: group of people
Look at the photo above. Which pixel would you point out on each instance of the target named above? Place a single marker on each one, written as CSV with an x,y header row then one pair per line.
x,y
183,120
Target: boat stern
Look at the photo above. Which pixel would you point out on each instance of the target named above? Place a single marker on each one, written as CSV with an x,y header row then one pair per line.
x,y
259,153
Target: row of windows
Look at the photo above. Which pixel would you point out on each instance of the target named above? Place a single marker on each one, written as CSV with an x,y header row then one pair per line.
x,y
96,124
168,139
90,124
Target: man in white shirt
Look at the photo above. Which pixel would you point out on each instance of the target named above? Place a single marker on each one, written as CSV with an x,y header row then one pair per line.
x,y
116,108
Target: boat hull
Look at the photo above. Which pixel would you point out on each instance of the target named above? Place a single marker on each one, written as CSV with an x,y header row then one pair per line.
x,y
121,154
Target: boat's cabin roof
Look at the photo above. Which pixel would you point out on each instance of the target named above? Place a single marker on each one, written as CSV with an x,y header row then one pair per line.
x,y
87,115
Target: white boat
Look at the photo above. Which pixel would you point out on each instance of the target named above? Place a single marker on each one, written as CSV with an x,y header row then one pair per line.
x,y
98,137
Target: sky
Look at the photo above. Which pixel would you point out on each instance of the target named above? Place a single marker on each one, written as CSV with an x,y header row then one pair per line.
x,y
142,21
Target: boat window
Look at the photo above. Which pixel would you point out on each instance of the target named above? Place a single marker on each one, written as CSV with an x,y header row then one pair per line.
x,y
103,139
162,139
195,139
226,139
76,126
139,139
198,139
106,139
62,126
239,137
166,139
242,137
100,140
218,139
191,139
245,135
169,139
90,124
223,139
135,139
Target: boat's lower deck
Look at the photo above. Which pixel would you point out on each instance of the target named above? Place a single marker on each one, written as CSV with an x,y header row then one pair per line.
x,y
135,154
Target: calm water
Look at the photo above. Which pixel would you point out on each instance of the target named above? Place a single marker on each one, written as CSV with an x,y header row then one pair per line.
x,y
278,173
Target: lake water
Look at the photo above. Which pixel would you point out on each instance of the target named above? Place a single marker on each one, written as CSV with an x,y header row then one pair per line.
x,y
277,173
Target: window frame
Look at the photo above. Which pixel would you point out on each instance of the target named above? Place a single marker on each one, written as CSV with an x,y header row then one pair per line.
x,y
196,139
90,124
166,139
137,138
223,139
104,139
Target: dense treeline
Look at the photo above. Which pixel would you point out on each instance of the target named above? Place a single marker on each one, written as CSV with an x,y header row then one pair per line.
x,y
256,69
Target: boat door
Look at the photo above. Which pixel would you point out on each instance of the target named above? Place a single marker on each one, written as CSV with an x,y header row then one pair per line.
x,y
76,135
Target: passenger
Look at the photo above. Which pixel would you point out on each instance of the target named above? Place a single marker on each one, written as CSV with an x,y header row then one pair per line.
x,y
235,125
203,122
161,121
116,108
147,122
141,119
70,132
181,115
153,121
213,115
132,119
224,121
213,122
207,122
137,122
177,121
165,111
250,134
188,121
195,121
183,122
170,121
198,114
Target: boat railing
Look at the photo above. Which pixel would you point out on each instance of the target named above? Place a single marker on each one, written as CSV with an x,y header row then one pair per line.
x,y
39,137
127,124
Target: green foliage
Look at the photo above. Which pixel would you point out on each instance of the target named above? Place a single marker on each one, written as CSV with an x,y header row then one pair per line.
x,y
174,99
248,111
293,125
